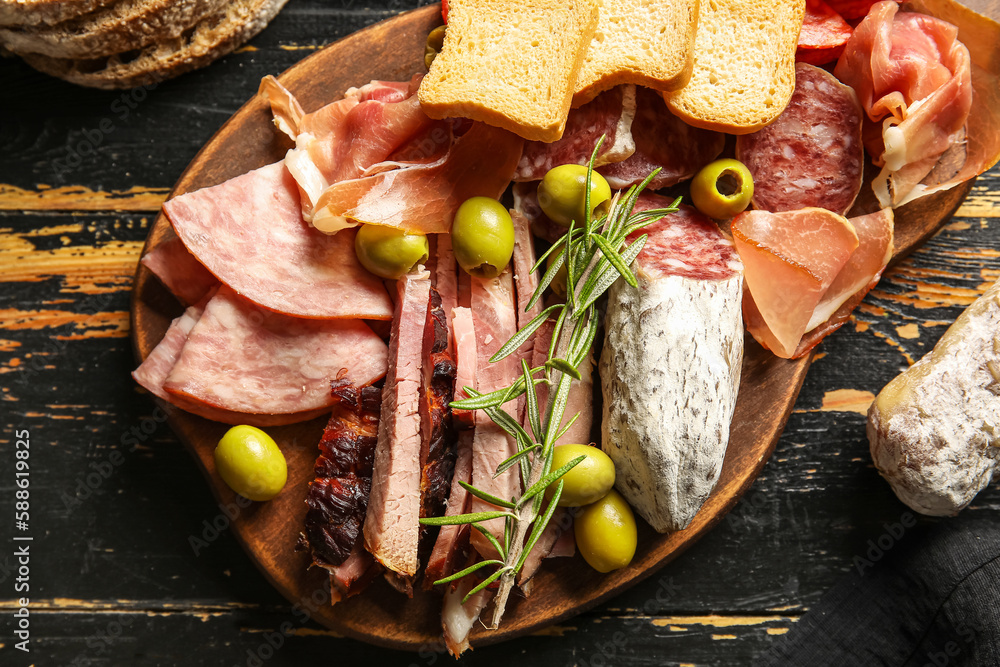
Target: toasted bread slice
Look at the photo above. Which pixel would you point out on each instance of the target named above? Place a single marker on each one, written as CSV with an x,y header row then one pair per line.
x,y
510,63
119,27
45,12
744,65
646,42
211,38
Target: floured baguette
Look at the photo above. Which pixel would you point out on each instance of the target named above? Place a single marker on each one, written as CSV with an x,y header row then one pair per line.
x,y
510,64
744,65
646,42
119,27
45,12
213,37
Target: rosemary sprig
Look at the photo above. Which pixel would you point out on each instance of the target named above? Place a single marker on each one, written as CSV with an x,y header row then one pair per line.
x,y
596,254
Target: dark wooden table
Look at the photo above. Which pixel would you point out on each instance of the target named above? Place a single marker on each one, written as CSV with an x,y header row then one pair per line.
x,y
116,501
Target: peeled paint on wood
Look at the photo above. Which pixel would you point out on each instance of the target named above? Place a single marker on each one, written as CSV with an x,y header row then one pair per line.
x,y
935,429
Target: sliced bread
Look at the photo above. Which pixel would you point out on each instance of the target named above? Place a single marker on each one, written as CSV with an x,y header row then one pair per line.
x,y
646,42
510,63
45,12
116,28
744,65
211,38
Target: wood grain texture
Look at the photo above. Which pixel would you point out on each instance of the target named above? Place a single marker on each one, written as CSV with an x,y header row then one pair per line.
x,y
114,573
392,50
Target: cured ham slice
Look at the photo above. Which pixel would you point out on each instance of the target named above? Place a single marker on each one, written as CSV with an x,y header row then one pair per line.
x,y
662,140
250,234
153,372
242,359
667,431
812,154
392,526
423,197
495,319
610,114
823,36
859,275
338,496
914,77
791,260
179,271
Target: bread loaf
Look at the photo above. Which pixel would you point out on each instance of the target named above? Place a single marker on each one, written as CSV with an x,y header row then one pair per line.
x,y
744,65
511,64
45,12
646,42
935,429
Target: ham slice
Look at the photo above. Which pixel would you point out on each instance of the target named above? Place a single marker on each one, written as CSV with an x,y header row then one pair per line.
x,y
423,197
250,234
791,259
662,140
179,271
609,114
240,358
495,319
859,275
913,77
392,526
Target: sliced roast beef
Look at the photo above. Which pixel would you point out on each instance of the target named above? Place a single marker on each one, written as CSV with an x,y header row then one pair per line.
x,y
452,541
391,527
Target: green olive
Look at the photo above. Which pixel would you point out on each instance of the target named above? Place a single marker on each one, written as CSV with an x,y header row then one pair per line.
x,y
389,252
586,482
482,237
605,533
435,41
249,461
561,193
722,189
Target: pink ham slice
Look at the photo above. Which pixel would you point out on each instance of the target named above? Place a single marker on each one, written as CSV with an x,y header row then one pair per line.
x,y
662,140
812,154
791,259
495,323
153,372
391,528
610,114
179,271
914,78
858,276
250,234
240,358
423,197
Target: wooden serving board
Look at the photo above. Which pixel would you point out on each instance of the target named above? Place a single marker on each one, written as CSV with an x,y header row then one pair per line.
x,y
393,50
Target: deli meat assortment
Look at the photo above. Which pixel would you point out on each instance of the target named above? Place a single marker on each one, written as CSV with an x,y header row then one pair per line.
x,y
286,320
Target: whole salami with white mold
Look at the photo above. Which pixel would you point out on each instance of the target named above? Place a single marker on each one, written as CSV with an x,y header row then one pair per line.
x,y
670,368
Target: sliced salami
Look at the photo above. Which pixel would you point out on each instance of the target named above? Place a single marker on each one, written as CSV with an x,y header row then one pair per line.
x,y
812,155
823,36
250,234
662,140
610,114
241,358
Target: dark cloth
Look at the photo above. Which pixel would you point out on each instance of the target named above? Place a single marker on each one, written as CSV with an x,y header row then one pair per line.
x,y
918,596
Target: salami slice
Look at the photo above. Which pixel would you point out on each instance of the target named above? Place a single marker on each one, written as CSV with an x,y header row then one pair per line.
x,y
662,140
823,36
812,155
241,358
250,234
610,114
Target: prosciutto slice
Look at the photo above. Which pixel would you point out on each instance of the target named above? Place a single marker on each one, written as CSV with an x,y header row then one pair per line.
x,y
914,78
392,526
249,233
179,271
609,114
423,197
665,141
243,359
